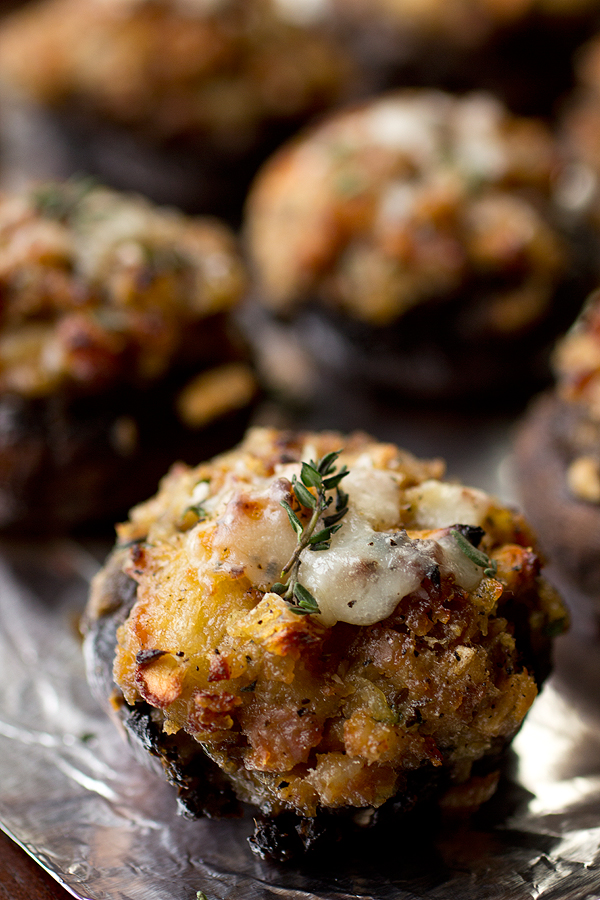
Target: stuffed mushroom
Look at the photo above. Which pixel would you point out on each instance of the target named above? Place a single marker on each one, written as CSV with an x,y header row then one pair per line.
x,y
320,625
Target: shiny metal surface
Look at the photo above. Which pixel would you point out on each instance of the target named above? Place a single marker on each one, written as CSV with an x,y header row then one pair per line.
x,y
73,796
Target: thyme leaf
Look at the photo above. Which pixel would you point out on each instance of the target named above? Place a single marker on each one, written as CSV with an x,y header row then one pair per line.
x,y
489,566
324,535
310,476
333,482
305,598
304,495
279,588
312,492
327,464
294,520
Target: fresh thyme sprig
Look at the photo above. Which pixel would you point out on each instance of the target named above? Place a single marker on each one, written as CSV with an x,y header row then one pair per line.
x,y
322,477
489,566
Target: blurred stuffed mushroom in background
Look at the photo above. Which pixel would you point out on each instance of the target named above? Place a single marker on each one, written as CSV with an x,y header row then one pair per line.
x,y
557,457
415,243
177,99
579,130
117,353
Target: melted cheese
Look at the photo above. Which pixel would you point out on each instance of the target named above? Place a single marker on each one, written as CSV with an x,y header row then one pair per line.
x,y
371,564
438,504
253,536
366,573
373,494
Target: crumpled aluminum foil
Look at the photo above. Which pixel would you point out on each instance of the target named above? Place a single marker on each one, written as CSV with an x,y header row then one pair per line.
x,y
105,827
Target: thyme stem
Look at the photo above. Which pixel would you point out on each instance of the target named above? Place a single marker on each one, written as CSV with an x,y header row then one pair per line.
x,y
294,564
323,478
